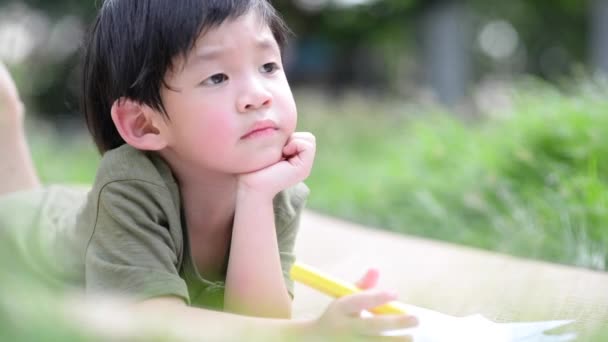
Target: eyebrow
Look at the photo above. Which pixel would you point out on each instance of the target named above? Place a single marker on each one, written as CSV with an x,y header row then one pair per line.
x,y
211,53
267,44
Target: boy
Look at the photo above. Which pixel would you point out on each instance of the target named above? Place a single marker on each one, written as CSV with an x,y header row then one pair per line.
x,y
197,198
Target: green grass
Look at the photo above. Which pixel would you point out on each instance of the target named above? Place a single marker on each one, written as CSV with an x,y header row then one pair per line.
x,y
530,182
533,183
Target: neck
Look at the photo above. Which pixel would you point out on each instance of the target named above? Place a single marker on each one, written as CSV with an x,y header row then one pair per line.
x,y
208,198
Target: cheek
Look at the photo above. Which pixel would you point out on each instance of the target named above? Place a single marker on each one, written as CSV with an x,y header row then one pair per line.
x,y
293,117
208,128
214,126
292,121
288,109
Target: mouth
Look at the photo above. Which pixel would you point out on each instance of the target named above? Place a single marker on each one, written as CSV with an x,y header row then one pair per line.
x,y
261,129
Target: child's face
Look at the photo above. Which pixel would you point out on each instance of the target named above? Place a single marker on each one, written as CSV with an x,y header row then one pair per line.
x,y
232,82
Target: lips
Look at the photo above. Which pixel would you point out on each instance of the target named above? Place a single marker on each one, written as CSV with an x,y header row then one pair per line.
x,y
261,128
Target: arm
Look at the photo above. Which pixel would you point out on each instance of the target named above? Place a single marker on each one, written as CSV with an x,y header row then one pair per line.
x,y
202,324
342,319
169,318
288,206
254,281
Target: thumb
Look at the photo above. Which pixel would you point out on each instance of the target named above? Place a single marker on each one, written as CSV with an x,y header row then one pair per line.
x,y
366,300
369,280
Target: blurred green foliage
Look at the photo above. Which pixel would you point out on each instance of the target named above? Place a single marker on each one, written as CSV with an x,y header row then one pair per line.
x,y
29,305
378,40
531,181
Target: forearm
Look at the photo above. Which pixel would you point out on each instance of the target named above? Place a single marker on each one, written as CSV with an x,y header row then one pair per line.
x,y
208,325
254,280
171,319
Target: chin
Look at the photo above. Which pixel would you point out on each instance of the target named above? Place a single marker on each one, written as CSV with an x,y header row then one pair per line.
x,y
264,161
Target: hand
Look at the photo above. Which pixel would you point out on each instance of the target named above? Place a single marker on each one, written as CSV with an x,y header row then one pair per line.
x,y
298,157
11,107
343,317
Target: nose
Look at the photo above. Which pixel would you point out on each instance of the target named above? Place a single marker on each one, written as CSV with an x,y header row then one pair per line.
x,y
253,96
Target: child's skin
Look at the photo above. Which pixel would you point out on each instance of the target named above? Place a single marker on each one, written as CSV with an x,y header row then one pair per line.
x,y
16,169
231,81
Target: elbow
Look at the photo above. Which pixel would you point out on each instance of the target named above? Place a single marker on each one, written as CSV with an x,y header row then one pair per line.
x,y
283,312
280,310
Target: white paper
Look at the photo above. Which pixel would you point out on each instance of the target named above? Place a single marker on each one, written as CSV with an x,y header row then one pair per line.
x,y
438,327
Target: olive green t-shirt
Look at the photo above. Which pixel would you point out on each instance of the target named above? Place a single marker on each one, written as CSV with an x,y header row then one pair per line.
x,y
129,238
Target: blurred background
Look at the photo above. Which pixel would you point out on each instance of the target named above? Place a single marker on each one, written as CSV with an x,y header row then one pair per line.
x,y
477,122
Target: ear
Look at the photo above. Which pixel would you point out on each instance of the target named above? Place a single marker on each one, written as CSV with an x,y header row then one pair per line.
x,y
138,125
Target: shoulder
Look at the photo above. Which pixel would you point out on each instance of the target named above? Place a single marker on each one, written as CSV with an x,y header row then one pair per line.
x,y
134,194
132,184
126,163
290,202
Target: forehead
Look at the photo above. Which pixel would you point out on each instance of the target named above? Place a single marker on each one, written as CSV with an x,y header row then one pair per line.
x,y
233,35
249,27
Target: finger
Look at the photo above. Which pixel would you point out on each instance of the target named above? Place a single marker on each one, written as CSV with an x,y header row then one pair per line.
x,y
369,280
302,161
295,146
376,325
365,300
299,148
303,135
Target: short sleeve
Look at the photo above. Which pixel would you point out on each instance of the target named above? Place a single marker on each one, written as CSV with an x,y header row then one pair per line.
x,y
288,210
133,250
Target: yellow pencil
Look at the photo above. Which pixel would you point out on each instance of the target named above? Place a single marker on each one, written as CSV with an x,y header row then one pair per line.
x,y
336,288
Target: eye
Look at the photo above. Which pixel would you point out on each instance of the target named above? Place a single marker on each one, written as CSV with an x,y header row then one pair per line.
x,y
215,79
269,68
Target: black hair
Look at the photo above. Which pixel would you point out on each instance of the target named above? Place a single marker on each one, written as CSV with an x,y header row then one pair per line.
x,y
133,43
